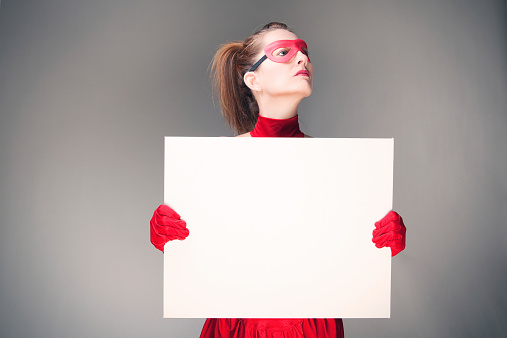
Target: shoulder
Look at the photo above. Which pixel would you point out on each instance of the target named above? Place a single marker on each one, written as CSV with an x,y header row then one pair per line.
x,y
242,135
248,135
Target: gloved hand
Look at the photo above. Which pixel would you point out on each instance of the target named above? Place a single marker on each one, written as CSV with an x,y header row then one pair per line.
x,y
390,231
166,225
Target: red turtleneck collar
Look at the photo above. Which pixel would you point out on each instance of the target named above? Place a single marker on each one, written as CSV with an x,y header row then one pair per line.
x,y
268,127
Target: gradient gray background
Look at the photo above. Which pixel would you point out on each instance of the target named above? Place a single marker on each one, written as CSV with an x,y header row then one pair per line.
x,y
88,90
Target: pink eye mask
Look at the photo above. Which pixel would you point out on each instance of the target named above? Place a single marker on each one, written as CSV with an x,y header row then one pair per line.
x,y
274,51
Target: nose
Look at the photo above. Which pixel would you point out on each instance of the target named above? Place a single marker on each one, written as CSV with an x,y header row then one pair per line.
x,y
301,58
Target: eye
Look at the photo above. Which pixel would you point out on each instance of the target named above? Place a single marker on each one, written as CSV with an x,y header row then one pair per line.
x,y
280,52
305,50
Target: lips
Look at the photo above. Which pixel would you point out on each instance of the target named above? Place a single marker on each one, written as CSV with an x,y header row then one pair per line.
x,y
303,73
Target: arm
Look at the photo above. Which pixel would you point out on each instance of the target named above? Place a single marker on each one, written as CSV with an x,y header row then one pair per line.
x,y
390,231
166,225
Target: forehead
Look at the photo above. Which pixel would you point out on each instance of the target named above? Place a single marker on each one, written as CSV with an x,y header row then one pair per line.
x,y
278,34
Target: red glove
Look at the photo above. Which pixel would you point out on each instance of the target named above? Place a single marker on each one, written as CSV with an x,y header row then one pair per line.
x,y
166,225
390,231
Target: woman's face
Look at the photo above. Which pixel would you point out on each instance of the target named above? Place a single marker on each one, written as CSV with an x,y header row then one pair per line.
x,y
293,77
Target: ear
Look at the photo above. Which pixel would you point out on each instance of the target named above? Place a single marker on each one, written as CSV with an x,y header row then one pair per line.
x,y
250,79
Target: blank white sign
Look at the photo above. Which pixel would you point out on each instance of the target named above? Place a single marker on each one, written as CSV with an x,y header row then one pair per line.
x,y
279,227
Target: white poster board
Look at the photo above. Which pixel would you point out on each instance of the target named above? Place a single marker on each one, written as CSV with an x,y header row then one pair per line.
x,y
279,227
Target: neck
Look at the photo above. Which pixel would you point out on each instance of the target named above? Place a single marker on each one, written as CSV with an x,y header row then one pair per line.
x,y
279,108
269,127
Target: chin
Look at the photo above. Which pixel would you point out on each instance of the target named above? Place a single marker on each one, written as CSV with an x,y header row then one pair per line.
x,y
308,92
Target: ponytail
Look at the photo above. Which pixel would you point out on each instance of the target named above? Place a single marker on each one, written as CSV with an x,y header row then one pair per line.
x,y
236,99
232,60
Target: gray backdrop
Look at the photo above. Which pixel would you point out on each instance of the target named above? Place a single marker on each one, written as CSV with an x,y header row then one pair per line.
x,y
88,90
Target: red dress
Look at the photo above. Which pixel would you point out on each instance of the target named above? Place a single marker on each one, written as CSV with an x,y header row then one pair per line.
x,y
268,327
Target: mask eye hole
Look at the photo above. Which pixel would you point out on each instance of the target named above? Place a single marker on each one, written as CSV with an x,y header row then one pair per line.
x,y
281,52
305,50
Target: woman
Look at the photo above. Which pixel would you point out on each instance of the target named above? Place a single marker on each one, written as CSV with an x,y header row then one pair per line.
x,y
260,83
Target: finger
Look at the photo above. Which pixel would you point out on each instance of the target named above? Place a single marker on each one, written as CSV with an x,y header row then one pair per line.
x,y
389,217
169,228
380,240
396,250
159,240
391,226
383,243
157,245
163,234
165,210
390,236
170,221
387,236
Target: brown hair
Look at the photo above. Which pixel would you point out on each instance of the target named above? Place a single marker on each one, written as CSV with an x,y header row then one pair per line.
x,y
231,62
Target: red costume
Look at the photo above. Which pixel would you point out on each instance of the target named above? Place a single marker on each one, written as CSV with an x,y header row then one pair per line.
x,y
167,225
273,328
